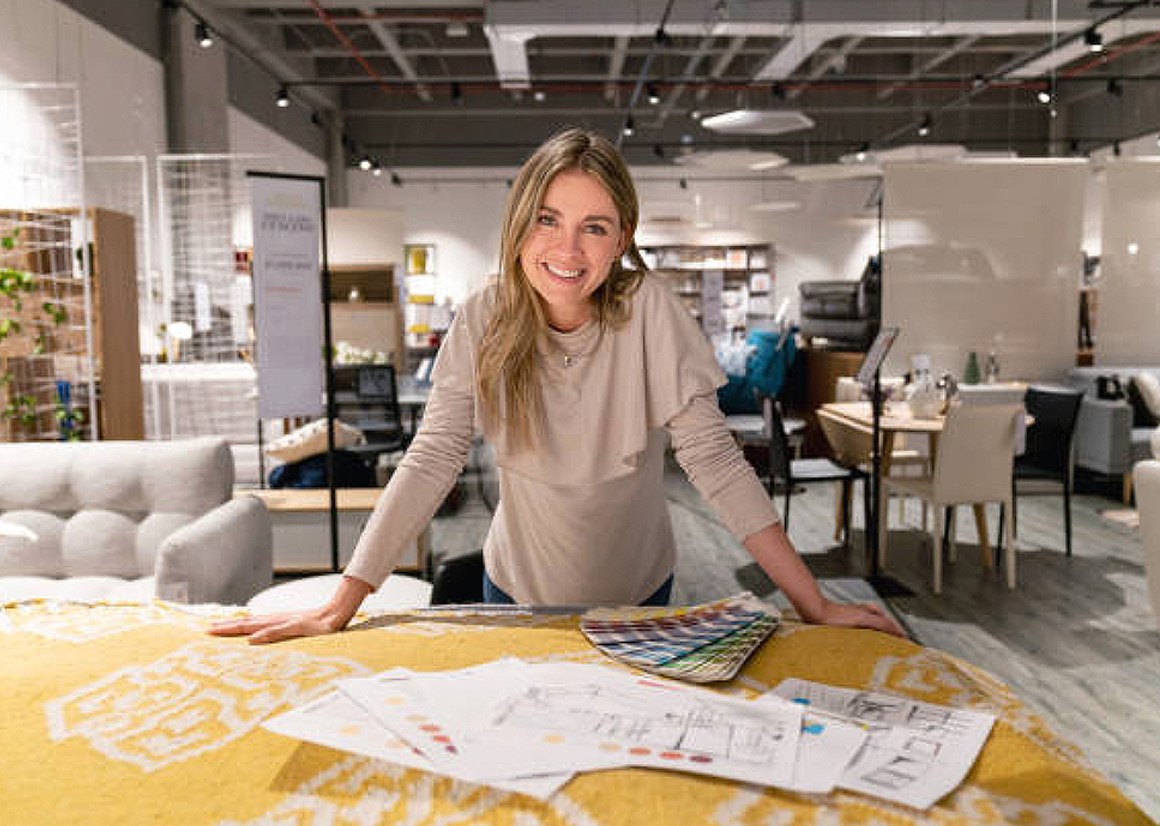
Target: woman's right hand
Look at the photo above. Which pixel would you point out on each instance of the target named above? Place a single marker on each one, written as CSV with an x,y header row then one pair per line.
x,y
331,617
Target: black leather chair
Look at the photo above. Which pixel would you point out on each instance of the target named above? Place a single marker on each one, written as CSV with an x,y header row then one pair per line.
x,y
1048,453
790,472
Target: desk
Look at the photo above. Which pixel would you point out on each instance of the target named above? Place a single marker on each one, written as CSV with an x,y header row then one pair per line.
x,y
129,714
856,419
300,519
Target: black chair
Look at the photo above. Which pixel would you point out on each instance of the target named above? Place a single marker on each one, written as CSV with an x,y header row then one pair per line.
x,y
367,397
1055,411
790,472
459,580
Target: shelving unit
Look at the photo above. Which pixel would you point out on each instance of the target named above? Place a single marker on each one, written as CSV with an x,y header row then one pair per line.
x,y
365,309
424,320
727,287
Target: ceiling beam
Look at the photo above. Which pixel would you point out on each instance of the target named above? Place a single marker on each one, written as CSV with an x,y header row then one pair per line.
x,y
391,44
835,60
722,63
615,67
959,46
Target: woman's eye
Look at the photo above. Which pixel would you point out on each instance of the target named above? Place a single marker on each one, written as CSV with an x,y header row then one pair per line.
x,y
597,229
546,221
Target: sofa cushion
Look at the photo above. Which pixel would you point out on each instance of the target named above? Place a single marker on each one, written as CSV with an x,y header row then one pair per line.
x,y
310,440
100,543
1142,415
41,556
151,532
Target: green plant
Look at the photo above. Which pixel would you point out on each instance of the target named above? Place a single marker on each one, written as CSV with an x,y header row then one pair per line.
x,y
15,284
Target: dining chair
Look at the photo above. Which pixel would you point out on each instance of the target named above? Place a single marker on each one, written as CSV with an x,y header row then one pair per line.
x,y
972,465
790,472
1048,453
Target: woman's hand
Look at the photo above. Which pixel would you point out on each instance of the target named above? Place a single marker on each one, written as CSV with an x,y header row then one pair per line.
x,y
856,615
331,617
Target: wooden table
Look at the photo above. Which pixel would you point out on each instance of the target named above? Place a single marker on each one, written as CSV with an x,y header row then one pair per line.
x,y
857,421
301,526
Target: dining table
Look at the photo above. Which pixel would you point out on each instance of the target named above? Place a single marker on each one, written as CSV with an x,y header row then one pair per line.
x,y
850,426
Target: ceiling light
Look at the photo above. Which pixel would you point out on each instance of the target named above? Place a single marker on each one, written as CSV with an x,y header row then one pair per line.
x,y
654,97
456,28
978,82
683,183
365,163
628,127
1133,248
395,179
696,114
758,121
1043,96
456,92
860,155
658,150
1115,88
202,34
925,125
377,169
1094,40
283,99
1158,140
775,206
778,91
539,96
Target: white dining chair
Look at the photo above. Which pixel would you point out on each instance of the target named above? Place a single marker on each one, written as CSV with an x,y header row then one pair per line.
x,y
972,465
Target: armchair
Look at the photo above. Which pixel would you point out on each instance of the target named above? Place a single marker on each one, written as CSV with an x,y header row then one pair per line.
x,y
129,520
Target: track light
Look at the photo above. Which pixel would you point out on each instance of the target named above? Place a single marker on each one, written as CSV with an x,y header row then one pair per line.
x,y
1044,96
377,169
659,150
925,125
1093,40
202,34
456,92
978,82
1116,148
860,155
1158,140
683,183
654,97
778,91
539,96
395,179
1115,88
628,127
365,163
283,99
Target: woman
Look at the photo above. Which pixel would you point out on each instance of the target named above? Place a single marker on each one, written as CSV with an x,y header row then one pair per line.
x,y
574,367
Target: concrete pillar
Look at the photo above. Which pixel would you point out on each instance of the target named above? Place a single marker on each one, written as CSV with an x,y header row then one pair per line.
x,y
197,91
336,166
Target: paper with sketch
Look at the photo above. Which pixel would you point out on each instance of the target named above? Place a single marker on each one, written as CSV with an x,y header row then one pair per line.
x,y
583,710
335,721
915,752
440,713
826,746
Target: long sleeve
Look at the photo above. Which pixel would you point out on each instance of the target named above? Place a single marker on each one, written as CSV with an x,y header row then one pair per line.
x,y
423,478
715,465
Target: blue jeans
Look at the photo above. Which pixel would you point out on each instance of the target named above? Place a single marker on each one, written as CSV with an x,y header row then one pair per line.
x,y
494,595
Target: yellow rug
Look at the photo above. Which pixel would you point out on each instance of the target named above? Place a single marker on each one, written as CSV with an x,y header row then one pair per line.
x,y
131,714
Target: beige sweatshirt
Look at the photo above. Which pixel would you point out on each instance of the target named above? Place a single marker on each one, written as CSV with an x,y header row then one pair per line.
x,y
581,520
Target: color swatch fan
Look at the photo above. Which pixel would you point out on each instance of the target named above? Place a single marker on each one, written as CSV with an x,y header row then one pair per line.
x,y
702,643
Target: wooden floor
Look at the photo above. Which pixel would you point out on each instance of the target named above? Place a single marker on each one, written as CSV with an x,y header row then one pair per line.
x,y
1076,641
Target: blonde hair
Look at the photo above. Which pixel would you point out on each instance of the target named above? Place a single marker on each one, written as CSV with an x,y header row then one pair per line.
x,y
507,363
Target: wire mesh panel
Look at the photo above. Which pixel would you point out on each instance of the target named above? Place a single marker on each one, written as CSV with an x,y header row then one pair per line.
x,y
205,383
46,370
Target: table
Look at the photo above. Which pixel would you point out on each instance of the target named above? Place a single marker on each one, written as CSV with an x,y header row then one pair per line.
x,y
857,419
129,714
300,518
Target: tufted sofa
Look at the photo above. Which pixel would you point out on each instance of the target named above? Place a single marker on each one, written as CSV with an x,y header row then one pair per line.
x,y
129,520
1105,440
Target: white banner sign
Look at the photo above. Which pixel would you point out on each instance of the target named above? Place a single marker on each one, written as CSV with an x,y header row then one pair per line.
x,y
288,295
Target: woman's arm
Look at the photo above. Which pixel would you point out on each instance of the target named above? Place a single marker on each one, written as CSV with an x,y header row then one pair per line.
x,y
715,465
426,473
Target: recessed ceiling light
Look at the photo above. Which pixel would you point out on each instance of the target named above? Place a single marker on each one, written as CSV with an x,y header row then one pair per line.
x,y
775,206
739,159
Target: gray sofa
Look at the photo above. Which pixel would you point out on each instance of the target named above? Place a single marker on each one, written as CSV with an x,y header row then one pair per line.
x,y
1105,440
129,520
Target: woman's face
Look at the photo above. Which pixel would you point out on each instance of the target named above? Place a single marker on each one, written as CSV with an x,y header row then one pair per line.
x,y
574,240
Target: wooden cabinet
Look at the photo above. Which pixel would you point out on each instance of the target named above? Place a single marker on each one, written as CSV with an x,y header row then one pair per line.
x,y
365,310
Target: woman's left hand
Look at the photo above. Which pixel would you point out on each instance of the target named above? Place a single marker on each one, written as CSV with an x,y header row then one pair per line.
x,y
858,615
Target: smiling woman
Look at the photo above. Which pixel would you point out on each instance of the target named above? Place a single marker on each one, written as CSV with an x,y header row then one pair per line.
x,y
575,366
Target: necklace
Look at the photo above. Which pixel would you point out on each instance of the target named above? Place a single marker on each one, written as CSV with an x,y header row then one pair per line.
x,y
569,359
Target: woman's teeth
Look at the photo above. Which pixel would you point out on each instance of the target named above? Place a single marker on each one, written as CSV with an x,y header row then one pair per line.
x,y
563,273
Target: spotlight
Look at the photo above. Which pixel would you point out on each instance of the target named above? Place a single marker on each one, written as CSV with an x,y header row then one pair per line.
x,y
539,96
658,150
696,114
365,163
202,34
456,92
661,37
778,91
1043,96
978,82
1115,88
1073,148
1093,40
628,127
1116,148
860,155
395,179
283,99
654,97
925,125
683,183
377,169
1158,140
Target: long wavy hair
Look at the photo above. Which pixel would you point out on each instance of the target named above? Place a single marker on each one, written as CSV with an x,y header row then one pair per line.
x,y
507,365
